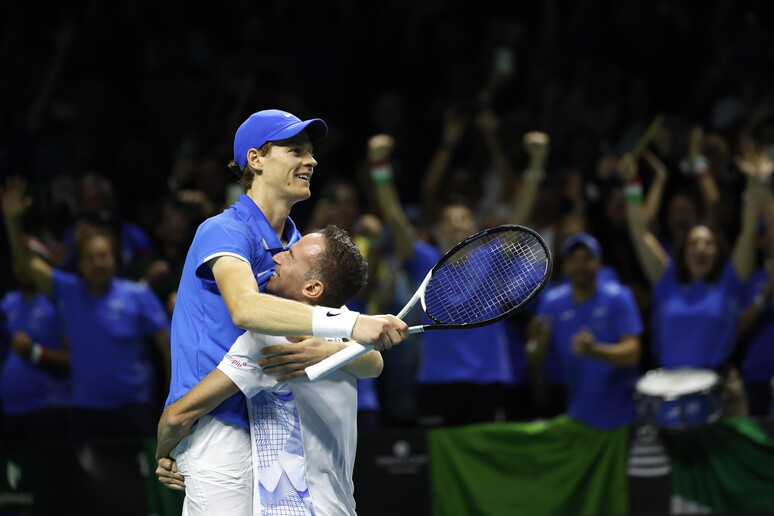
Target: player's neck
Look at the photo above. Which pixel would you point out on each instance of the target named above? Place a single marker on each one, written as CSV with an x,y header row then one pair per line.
x,y
276,210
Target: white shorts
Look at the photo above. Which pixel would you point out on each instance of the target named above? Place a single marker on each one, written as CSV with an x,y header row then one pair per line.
x,y
215,459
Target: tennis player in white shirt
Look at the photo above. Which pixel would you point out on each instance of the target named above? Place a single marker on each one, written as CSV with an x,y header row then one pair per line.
x,y
303,435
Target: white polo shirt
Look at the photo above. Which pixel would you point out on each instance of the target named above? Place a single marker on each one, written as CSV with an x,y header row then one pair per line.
x,y
304,434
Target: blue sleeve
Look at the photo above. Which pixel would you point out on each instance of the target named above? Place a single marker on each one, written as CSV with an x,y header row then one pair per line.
x,y
218,235
627,319
153,317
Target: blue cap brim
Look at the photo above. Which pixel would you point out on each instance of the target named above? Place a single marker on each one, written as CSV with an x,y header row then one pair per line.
x,y
315,128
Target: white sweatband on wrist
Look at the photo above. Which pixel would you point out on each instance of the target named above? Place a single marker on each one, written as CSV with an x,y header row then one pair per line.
x,y
381,173
329,323
36,353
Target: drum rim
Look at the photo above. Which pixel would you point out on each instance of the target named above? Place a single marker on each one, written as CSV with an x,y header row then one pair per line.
x,y
671,395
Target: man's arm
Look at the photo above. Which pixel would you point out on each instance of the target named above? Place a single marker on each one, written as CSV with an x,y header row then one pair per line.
x,y
47,358
263,313
290,360
179,417
15,203
625,352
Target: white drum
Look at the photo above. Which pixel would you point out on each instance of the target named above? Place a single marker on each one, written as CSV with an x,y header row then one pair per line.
x,y
679,398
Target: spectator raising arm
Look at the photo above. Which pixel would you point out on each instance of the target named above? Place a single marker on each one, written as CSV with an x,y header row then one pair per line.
x,y
454,126
15,203
402,231
488,124
536,144
758,167
698,166
655,194
653,258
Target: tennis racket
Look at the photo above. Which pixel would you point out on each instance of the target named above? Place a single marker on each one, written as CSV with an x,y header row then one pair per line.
x,y
483,279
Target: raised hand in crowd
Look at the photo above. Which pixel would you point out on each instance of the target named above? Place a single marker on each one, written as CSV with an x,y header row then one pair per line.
x,y
536,145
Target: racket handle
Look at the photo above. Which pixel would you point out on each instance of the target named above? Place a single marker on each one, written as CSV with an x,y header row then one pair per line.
x,y
338,359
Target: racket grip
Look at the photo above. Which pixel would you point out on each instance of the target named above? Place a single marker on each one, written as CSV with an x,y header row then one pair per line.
x,y
335,361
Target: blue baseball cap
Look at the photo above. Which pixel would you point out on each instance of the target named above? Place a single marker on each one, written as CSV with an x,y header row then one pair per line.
x,y
584,239
271,125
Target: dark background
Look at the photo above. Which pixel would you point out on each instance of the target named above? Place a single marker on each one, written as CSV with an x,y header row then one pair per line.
x,y
134,90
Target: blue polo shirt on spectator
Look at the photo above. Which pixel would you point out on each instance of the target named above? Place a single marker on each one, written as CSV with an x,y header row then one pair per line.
x,y
478,355
26,387
600,394
695,323
109,357
552,365
202,330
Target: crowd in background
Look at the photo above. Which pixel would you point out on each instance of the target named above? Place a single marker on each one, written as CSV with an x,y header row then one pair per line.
x,y
442,122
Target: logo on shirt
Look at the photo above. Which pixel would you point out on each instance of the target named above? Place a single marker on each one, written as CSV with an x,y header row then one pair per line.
x,y
116,308
567,315
234,362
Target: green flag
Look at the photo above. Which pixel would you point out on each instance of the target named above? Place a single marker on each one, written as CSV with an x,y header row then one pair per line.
x,y
556,467
725,467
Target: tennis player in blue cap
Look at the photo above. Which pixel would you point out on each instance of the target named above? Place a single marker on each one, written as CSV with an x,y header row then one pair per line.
x,y
221,294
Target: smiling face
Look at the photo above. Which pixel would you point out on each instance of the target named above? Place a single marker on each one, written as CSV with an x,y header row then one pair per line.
x,y
292,268
286,170
701,252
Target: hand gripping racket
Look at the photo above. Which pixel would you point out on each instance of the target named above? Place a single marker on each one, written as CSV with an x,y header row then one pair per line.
x,y
483,279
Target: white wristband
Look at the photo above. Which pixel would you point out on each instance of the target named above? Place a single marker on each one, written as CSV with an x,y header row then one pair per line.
x,y
36,353
328,323
382,173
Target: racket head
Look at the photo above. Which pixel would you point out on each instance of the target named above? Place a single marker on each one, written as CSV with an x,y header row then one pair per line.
x,y
487,277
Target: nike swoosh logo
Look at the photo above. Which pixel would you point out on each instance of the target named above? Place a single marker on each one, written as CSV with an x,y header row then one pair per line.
x,y
332,314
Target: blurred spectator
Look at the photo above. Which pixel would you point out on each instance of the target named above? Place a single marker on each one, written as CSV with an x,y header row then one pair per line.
x,y
550,67
462,374
477,173
107,321
594,327
174,234
96,205
533,392
35,378
699,291
756,325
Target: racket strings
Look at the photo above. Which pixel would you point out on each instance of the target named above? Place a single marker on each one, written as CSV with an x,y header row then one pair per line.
x,y
486,278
